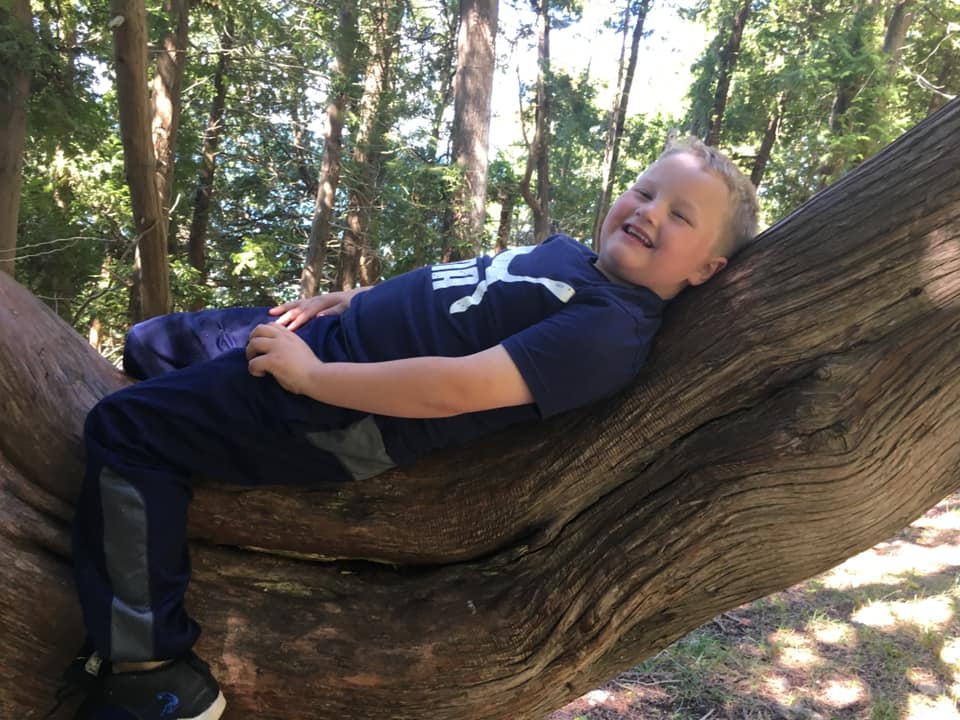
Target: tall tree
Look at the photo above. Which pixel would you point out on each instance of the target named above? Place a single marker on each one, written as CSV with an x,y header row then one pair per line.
x,y
165,97
538,157
728,64
443,62
359,260
618,114
129,25
766,145
545,559
208,153
473,91
14,91
342,82
858,42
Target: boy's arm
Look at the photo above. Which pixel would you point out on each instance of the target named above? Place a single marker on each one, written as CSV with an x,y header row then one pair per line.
x,y
422,387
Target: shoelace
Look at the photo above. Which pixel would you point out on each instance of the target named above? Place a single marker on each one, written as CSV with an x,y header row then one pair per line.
x,y
81,676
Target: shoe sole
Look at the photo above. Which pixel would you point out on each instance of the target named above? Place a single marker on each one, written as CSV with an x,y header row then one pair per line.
x,y
214,711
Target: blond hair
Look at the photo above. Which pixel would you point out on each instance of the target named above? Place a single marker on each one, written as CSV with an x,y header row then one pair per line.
x,y
741,225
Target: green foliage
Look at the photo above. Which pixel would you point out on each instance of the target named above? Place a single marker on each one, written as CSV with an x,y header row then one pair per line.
x,y
818,63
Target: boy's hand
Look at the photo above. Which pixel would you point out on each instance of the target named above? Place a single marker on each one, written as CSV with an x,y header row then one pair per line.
x,y
297,313
276,350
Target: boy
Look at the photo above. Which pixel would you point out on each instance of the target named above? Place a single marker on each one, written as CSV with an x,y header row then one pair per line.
x,y
345,385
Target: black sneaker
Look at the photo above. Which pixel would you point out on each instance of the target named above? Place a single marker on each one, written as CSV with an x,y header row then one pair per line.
x,y
181,690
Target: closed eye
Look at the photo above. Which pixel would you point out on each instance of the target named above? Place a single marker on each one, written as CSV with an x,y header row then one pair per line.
x,y
682,217
645,194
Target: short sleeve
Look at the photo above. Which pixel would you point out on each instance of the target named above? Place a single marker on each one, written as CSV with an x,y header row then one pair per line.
x,y
586,351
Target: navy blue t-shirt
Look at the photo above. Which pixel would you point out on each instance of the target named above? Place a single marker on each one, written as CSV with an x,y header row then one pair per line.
x,y
575,336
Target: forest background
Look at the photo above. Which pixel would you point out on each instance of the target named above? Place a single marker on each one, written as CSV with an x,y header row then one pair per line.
x,y
291,147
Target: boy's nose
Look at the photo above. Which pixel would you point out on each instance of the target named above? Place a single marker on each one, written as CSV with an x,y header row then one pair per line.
x,y
648,212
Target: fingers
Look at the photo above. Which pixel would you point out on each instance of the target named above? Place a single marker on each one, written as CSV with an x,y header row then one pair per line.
x,y
262,338
257,366
298,320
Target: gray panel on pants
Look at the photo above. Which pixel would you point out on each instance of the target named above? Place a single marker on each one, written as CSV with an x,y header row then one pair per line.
x,y
359,447
125,551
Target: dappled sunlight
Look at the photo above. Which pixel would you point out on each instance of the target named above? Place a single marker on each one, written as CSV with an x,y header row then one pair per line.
x,y
598,697
921,707
832,632
877,638
843,692
888,562
795,650
778,688
950,653
931,613
941,253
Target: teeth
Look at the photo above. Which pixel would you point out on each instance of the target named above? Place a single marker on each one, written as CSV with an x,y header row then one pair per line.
x,y
630,231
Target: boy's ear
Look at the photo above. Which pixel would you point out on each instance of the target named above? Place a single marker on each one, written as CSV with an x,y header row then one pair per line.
x,y
708,270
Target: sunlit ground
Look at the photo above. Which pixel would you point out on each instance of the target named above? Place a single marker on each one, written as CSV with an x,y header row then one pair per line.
x,y
877,638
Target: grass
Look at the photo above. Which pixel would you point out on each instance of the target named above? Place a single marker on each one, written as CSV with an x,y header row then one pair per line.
x,y
876,638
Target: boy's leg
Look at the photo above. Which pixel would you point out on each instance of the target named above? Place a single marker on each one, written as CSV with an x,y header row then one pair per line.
x,y
171,342
144,445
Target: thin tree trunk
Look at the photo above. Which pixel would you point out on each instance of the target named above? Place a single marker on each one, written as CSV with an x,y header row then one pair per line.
x,y
473,91
508,201
847,88
14,91
937,100
197,244
618,114
130,52
340,104
766,145
538,152
445,62
896,33
165,100
519,571
728,63
359,261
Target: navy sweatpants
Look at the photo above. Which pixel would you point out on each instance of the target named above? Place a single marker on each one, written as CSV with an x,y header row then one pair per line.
x,y
199,412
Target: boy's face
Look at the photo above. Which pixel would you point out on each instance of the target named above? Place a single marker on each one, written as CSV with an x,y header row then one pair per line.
x,y
662,232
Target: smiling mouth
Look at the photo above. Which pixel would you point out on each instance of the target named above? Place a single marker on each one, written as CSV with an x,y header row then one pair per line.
x,y
643,239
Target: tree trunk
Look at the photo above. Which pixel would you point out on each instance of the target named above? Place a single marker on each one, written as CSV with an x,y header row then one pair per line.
x,y
502,579
359,261
618,114
14,90
728,63
538,153
129,23
507,202
208,155
473,91
343,78
896,32
445,63
937,98
165,101
766,145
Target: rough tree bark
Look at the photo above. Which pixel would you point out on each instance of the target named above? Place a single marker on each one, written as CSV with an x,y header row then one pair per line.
x,y
14,91
618,115
129,23
473,92
517,572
